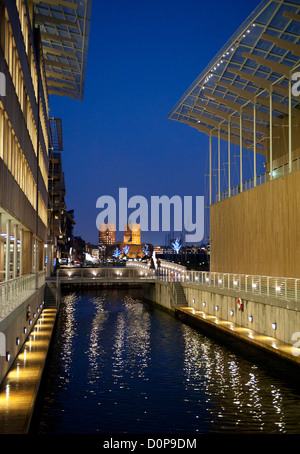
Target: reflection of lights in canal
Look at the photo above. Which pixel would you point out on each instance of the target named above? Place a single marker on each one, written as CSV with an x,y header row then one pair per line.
x,y
18,390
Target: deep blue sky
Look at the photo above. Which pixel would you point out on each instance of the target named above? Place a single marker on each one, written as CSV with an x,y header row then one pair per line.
x,y
142,57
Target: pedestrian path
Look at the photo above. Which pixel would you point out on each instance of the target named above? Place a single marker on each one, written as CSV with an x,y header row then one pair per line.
x,y
268,343
19,389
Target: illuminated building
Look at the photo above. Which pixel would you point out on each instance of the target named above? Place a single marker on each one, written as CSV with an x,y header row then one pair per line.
x,y
247,102
132,234
43,52
107,234
57,222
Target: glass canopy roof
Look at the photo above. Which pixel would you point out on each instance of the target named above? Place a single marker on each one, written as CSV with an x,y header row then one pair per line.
x,y
261,56
65,28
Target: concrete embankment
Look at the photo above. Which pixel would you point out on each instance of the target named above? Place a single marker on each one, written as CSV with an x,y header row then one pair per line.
x,y
260,324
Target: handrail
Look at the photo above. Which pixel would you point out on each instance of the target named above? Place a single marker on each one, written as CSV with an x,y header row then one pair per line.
x,y
14,291
104,273
279,287
260,179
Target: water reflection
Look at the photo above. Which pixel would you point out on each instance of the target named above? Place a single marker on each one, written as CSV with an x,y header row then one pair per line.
x,y
120,366
131,351
239,396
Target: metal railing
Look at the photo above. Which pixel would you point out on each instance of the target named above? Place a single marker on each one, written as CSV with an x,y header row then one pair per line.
x,y
260,179
278,287
104,273
14,291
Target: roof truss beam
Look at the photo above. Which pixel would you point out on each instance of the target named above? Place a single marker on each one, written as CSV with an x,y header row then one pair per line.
x,y
57,38
283,44
66,4
50,50
59,75
276,67
291,15
42,19
245,109
232,118
246,94
259,82
58,64
215,133
224,126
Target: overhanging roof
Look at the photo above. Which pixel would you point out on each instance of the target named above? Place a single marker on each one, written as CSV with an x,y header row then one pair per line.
x,y
56,134
262,53
65,28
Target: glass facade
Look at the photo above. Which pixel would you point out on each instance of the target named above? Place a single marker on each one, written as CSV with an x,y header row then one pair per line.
x,y
31,50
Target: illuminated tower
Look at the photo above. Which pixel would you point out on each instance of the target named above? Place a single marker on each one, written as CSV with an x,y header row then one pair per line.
x,y
107,234
132,234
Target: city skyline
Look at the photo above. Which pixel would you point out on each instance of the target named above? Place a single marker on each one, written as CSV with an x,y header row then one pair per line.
x,y
136,72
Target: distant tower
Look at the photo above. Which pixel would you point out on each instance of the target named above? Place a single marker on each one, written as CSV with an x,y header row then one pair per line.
x,y
132,234
107,234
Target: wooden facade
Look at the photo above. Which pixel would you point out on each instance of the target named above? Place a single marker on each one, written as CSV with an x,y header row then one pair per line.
x,y
258,231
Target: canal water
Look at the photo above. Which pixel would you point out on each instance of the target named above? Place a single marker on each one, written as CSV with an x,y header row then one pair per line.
x,y
120,366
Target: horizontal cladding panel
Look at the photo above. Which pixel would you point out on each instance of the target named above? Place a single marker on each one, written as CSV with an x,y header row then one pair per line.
x,y
13,110
20,45
257,231
13,200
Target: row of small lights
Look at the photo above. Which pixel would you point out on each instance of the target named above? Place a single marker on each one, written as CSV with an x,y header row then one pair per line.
x,y
224,55
119,273
25,330
274,325
254,285
140,265
163,265
174,268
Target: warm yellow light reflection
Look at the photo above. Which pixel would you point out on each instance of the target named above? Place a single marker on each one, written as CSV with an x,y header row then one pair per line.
x,y
17,392
268,341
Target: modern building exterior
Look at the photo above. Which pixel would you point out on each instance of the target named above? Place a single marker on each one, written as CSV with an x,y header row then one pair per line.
x,y
247,103
24,138
57,210
43,51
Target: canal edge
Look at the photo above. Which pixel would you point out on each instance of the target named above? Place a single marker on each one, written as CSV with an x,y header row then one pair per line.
x,y
279,354
16,412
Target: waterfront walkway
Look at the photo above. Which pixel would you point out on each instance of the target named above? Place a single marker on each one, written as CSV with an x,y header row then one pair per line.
x,y
217,326
19,389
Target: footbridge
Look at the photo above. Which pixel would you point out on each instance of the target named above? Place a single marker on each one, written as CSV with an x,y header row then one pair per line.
x,y
104,275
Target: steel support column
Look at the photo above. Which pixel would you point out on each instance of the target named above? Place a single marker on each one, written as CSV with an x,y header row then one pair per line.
x,y
271,133
290,123
219,164
241,152
229,161
7,254
254,143
210,165
21,251
15,255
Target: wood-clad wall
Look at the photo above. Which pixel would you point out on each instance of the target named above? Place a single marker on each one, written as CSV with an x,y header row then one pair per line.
x,y
258,231
280,149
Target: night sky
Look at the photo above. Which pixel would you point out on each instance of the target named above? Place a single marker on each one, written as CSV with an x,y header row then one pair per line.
x,y
142,57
